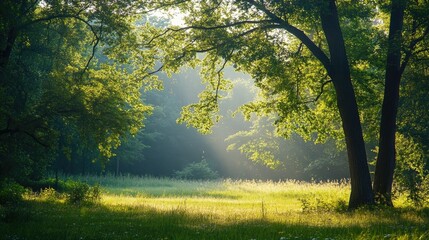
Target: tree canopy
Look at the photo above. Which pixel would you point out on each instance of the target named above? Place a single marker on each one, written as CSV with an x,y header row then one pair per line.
x,y
70,71
315,63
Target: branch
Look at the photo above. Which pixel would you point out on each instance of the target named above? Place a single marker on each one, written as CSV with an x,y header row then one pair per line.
x,y
75,16
153,72
52,17
235,37
298,51
409,51
163,65
17,130
219,72
207,27
298,33
95,41
422,50
319,94
204,50
36,139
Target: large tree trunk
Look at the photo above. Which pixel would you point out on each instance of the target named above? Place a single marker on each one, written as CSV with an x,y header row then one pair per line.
x,y
361,191
386,158
6,52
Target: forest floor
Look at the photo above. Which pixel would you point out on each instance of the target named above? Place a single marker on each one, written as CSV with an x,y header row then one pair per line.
x,y
150,208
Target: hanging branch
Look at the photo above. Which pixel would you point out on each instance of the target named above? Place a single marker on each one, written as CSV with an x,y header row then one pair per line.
x,y
204,50
95,42
322,88
226,59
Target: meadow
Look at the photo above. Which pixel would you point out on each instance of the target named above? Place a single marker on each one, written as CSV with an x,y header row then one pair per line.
x,y
153,208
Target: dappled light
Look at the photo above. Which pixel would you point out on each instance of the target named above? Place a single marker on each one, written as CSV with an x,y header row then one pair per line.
x,y
230,119
144,208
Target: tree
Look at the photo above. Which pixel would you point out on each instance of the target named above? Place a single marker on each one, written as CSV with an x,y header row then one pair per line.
x,y
395,67
69,67
273,39
274,17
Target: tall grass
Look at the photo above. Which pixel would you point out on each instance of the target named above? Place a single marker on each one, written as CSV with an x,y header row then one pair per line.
x,y
152,208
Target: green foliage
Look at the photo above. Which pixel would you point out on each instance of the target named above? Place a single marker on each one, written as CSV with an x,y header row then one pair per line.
x,y
259,144
10,192
283,46
11,201
81,193
74,75
297,157
411,175
94,194
294,89
77,192
289,77
48,194
197,171
316,204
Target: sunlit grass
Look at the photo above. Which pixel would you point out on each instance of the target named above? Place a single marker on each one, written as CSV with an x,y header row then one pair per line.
x,y
150,208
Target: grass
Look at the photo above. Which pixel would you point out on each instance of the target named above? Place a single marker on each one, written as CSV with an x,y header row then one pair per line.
x,y
150,208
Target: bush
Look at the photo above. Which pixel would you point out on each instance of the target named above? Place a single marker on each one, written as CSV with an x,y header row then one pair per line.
x,y
10,192
77,192
49,194
411,176
315,204
94,194
11,201
82,193
197,171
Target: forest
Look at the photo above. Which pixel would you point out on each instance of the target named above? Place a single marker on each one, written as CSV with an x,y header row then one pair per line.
x,y
259,118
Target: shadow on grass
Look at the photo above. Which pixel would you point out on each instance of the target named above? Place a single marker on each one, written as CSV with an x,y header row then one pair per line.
x,y
54,220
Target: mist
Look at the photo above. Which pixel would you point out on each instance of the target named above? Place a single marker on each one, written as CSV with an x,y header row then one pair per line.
x,y
165,147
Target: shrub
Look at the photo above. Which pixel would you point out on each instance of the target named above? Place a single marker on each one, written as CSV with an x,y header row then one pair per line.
x,y
197,171
411,176
49,194
11,201
77,192
82,193
314,204
10,192
94,194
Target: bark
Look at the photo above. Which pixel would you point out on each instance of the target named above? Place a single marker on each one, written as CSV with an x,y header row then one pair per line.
x,y
361,190
386,158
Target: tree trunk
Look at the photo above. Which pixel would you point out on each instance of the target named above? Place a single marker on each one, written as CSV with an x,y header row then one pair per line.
x,y
386,158
361,191
6,52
